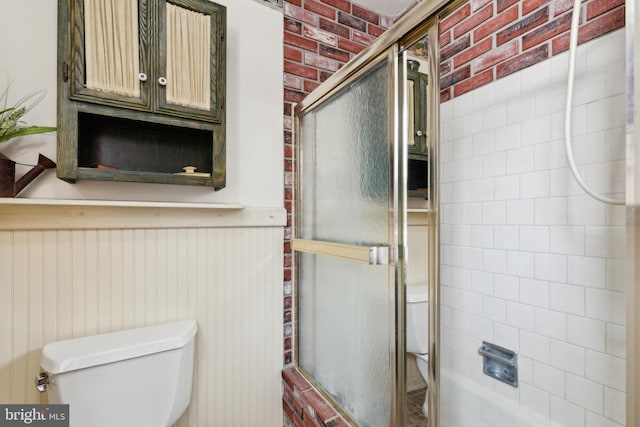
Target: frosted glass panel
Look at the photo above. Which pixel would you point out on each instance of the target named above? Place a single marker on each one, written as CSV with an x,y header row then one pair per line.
x,y
344,334
344,307
346,158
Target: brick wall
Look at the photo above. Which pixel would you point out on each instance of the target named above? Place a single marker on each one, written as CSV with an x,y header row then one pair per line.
x,y
485,40
482,41
319,38
303,406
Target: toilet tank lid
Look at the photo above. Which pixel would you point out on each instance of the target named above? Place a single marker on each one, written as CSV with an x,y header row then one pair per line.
x,y
419,293
79,353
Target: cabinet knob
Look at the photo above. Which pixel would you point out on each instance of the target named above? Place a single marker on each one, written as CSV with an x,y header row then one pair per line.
x,y
419,133
162,81
142,77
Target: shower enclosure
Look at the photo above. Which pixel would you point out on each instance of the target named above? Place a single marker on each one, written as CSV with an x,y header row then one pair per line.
x,y
526,273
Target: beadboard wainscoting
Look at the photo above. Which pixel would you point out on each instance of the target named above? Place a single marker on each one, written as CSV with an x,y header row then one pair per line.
x,y
73,277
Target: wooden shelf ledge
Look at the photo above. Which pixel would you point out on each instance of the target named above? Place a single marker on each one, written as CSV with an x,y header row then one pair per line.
x,y
56,214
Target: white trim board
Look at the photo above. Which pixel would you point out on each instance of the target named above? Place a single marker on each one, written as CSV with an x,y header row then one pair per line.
x,y
39,214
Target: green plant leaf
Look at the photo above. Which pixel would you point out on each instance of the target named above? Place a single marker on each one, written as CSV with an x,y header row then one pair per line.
x,y
7,110
27,131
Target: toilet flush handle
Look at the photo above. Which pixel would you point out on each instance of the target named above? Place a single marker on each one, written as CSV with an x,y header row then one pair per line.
x,y
42,379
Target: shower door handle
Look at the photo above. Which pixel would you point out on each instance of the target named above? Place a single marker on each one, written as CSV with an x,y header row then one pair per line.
x,y
372,255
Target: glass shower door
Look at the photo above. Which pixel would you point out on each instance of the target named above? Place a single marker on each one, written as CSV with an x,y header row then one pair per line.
x,y
346,235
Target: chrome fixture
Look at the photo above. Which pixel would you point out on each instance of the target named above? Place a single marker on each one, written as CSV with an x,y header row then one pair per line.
x,y
42,380
499,363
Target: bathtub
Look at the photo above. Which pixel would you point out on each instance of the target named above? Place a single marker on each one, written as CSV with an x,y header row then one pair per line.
x,y
465,404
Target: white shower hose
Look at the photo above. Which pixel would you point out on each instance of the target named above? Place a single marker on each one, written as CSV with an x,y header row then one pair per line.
x,y
573,44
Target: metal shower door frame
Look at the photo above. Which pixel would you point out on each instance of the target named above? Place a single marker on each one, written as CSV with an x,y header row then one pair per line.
x,y
393,255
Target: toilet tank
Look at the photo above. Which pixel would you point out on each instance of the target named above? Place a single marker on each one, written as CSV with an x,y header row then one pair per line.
x,y
417,312
138,377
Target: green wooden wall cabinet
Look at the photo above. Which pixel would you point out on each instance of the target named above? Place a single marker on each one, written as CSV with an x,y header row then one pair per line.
x,y
133,103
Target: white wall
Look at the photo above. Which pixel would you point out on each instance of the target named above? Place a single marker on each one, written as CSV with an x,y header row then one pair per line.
x,y
70,279
528,261
254,106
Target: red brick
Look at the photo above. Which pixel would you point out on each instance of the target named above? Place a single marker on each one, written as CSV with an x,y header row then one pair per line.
x,y
477,4
473,83
335,28
365,14
300,14
288,303
473,21
547,31
296,2
374,30
309,86
473,52
288,358
288,153
292,82
288,411
455,47
292,54
505,4
592,29
560,6
318,61
293,96
287,122
455,77
287,320
352,21
362,38
457,16
340,4
322,410
292,25
333,53
295,380
525,24
445,67
494,57
287,111
531,5
300,70
309,420
445,39
301,42
287,273
324,75
445,95
598,7
350,46
505,18
320,9
319,35
522,61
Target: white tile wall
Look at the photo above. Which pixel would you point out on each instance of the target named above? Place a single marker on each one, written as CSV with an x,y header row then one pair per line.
x,y
538,266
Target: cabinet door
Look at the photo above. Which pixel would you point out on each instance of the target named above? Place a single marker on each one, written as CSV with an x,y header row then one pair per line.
x,y
110,52
191,77
417,91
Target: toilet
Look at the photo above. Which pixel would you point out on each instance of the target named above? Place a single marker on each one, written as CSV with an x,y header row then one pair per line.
x,y
134,378
418,330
